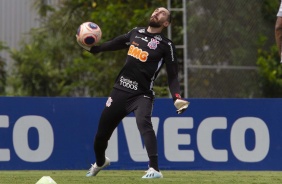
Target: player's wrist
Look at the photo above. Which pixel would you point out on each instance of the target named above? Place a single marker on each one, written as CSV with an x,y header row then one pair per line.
x,y
95,49
176,96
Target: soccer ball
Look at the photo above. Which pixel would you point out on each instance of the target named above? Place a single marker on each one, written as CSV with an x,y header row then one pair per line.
x,y
89,34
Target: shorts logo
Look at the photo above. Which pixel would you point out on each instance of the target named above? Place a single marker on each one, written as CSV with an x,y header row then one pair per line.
x,y
153,44
127,83
109,102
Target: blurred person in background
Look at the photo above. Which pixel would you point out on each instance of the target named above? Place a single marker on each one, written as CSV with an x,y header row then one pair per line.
x,y
278,31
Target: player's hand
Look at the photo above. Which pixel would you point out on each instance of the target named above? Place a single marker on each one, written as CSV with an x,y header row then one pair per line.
x,y
181,105
83,46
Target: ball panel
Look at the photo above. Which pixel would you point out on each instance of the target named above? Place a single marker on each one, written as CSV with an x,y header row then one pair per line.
x,y
93,25
78,31
89,40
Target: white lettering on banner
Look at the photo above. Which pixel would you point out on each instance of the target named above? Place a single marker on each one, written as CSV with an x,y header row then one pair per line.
x,y
262,139
4,153
204,139
172,139
20,138
112,150
136,149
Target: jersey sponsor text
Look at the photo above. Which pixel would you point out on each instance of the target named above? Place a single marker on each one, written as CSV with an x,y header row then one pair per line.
x,y
128,83
138,53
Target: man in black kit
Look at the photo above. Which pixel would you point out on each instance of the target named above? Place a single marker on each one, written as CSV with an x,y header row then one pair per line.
x,y
148,50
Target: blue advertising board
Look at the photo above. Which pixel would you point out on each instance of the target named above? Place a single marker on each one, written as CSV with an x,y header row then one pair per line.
x,y
213,134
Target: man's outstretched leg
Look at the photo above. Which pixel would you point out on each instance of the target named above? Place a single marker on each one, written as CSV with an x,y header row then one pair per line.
x,y
109,120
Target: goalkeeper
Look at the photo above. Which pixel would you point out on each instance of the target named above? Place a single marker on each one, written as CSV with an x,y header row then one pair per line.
x,y
148,50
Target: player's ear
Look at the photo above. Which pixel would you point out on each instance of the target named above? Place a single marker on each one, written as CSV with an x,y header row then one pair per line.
x,y
166,24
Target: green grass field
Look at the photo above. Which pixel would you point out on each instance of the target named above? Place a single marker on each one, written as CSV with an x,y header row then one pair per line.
x,y
124,177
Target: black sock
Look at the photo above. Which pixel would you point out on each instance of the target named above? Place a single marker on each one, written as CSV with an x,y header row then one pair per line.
x,y
100,162
100,148
154,162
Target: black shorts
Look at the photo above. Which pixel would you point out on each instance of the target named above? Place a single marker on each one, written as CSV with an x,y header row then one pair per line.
x,y
119,105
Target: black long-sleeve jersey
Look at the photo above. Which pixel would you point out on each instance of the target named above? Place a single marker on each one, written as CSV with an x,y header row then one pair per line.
x,y
147,52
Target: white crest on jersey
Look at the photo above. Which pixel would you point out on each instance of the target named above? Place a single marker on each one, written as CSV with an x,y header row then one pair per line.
x,y
153,44
141,31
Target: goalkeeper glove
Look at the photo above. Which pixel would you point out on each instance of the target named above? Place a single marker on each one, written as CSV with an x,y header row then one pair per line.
x,y
83,46
180,104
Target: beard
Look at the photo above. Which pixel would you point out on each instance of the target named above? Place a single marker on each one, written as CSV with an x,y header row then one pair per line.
x,y
154,23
